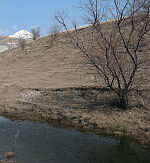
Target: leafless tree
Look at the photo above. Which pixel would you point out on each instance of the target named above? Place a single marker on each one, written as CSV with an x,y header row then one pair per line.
x,y
54,29
53,34
35,32
22,43
114,50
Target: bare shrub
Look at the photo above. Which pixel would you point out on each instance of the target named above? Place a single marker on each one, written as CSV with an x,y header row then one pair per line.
x,y
22,43
35,32
53,34
9,155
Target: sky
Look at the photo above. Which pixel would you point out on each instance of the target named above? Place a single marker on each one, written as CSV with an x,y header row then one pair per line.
x,y
18,15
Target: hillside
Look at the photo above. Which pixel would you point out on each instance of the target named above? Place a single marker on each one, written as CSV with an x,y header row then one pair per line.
x,y
43,67
49,82
59,66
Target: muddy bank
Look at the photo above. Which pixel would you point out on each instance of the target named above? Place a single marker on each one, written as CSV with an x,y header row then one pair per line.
x,y
87,108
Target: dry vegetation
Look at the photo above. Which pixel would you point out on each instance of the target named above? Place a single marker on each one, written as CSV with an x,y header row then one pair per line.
x,y
51,84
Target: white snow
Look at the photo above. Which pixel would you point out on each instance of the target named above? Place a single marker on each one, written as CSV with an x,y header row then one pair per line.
x,y
22,34
11,43
3,48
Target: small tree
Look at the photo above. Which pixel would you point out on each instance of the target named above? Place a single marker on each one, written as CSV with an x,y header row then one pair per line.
x,y
22,43
114,50
53,34
54,29
35,32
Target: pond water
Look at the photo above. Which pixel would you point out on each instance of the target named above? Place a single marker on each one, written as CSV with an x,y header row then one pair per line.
x,y
41,143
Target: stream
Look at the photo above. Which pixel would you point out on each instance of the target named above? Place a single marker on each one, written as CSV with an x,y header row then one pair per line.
x,y
42,143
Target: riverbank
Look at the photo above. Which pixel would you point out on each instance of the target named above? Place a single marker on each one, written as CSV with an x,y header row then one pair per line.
x,y
86,108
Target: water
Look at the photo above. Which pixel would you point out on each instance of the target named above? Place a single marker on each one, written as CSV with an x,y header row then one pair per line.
x,y
41,143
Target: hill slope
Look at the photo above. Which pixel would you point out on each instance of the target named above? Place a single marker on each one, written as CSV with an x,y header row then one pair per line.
x,y
43,67
35,84
59,66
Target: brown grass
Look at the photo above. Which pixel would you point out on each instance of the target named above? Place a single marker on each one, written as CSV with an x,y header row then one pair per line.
x,y
86,108
30,89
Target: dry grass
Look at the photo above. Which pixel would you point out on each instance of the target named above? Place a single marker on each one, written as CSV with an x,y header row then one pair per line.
x,y
30,82
86,108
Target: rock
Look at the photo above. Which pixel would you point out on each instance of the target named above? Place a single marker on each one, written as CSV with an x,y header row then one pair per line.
x,y
9,155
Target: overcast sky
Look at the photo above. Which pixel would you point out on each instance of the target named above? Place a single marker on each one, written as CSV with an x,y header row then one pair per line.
x,y
24,14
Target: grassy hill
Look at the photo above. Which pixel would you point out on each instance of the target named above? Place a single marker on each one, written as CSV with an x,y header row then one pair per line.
x,y
51,83
42,67
59,66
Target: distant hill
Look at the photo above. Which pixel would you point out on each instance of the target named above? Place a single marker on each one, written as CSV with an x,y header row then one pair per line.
x,y
8,42
3,37
22,34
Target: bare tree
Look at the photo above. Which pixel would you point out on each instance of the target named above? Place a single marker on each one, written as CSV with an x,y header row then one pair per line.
x,y
54,29
114,50
53,34
35,32
22,43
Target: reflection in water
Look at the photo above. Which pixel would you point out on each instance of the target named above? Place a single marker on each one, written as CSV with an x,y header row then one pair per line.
x,y
41,143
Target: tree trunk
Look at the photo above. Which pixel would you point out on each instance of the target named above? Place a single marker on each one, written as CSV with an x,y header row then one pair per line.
x,y
123,99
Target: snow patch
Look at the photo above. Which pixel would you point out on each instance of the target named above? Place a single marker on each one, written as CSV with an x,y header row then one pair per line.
x,y
11,43
22,34
3,48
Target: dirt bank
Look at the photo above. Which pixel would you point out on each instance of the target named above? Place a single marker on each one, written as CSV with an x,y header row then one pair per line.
x,y
87,108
